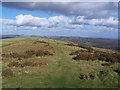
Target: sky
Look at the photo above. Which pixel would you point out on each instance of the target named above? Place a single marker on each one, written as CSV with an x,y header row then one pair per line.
x,y
82,19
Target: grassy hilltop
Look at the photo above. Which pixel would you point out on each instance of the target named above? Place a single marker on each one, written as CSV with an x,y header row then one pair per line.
x,y
49,63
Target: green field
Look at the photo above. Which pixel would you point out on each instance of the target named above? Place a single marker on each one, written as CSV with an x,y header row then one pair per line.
x,y
51,66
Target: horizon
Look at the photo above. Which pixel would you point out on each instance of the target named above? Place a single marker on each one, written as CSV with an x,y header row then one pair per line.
x,y
61,19
56,36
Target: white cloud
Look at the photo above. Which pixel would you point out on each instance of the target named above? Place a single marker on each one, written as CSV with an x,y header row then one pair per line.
x,y
29,20
34,28
59,22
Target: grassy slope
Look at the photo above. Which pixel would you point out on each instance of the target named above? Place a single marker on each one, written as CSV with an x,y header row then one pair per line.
x,y
61,71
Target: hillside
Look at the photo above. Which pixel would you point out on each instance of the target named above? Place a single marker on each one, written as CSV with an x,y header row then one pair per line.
x,y
49,63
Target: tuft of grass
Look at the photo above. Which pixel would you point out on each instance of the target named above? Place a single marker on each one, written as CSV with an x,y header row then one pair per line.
x,y
7,73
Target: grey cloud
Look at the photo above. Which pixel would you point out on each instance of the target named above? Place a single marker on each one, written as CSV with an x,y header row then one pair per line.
x,y
90,10
108,22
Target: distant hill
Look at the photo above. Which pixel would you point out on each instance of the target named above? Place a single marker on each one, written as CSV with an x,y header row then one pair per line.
x,y
96,42
8,36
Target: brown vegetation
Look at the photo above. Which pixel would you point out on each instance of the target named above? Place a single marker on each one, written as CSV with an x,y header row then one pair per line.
x,y
7,73
88,76
40,63
86,47
96,55
81,46
42,53
27,63
106,64
117,70
35,42
71,44
13,64
93,75
28,54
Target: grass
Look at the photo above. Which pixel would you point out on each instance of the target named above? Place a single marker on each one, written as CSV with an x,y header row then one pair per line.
x,y
61,70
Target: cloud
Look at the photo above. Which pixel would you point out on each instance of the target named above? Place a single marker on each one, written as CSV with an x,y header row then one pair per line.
x,y
59,22
60,26
108,22
8,21
34,28
88,9
29,20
